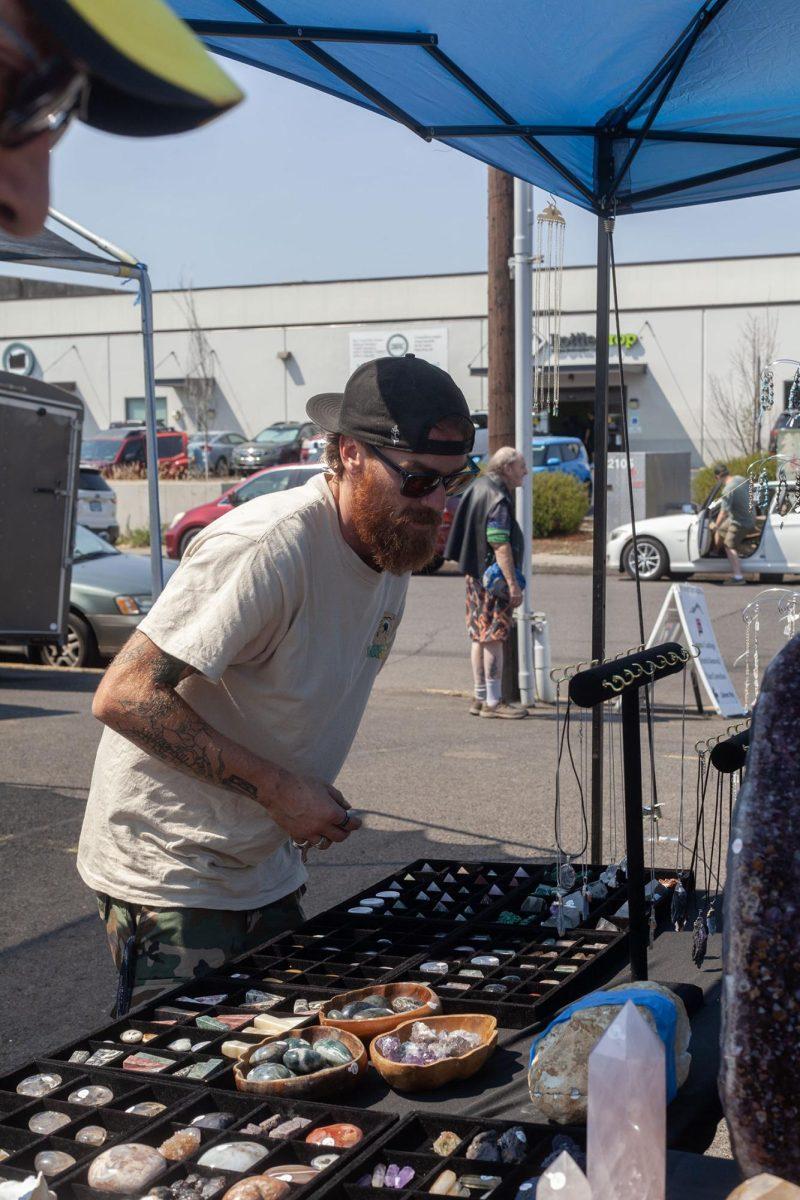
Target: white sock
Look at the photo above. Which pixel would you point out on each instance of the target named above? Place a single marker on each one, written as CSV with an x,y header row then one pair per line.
x,y
480,692
494,692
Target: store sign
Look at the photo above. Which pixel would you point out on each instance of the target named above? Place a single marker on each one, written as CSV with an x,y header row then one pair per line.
x,y
430,344
19,359
572,343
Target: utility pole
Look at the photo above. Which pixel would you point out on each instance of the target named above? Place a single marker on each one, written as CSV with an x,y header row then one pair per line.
x,y
502,420
501,310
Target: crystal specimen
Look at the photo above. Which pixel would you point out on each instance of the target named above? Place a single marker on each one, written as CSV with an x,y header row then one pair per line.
x,y
406,1004
323,1161
146,1108
257,1187
289,1129
443,1183
626,1146
446,1143
765,1187
563,1180
126,1169
213,1120
183,1144
483,1147
79,1056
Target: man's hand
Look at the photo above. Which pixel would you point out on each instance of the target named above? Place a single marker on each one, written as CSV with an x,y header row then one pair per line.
x,y
310,810
515,595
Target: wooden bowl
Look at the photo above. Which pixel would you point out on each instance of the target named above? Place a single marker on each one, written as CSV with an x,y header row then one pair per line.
x,y
408,1078
330,1082
429,1004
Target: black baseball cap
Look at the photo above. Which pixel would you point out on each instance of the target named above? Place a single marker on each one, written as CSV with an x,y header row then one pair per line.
x,y
397,402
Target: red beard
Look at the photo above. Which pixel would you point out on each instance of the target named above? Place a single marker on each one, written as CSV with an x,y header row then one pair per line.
x,y
400,536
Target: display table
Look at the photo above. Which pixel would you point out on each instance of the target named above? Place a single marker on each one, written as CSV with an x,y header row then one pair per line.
x,y
500,1089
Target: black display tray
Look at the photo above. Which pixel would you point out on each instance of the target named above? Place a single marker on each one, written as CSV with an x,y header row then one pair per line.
x,y
248,1110
410,1143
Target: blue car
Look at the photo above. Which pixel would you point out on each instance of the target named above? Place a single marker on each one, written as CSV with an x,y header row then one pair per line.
x,y
568,454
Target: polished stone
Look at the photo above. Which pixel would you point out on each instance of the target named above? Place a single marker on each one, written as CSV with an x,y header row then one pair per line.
x,y
53,1162
183,1045
131,1036
39,1085
342,1135
268,1072
232,1156
334,1052
146,1063
273,1052
94,1095
304,1062
298,1173
765,1187
214,1120
126,1169
92,1135
323,1161
47,1121
146,1108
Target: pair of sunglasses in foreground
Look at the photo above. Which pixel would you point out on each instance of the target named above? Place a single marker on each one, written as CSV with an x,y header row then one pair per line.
x,y
416,484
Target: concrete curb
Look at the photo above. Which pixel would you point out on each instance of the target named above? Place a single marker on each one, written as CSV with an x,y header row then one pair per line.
x,y
562,564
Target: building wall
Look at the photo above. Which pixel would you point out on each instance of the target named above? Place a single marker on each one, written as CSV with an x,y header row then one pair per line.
x,y
688,317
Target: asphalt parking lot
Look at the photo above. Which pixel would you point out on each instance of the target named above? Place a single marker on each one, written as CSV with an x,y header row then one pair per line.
x,y
430,779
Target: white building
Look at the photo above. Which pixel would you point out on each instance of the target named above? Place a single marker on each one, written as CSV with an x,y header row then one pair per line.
x,y
273,346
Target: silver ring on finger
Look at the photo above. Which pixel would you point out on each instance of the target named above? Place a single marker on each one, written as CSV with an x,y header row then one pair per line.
x,y
322,844
300,845
343,824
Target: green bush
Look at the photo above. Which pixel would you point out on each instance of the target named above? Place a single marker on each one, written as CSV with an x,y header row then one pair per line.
x,y
704,478
560,503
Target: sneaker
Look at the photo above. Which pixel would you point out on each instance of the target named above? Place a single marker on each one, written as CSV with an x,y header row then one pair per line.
x,y
737,580
475,708
509,712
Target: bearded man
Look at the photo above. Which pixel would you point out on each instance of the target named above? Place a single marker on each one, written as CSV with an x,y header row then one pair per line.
x,y
230,711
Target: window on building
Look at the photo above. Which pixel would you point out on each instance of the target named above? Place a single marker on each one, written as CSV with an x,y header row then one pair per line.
x,y
134,408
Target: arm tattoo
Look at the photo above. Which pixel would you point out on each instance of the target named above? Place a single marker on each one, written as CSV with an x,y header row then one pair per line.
x,y
160,721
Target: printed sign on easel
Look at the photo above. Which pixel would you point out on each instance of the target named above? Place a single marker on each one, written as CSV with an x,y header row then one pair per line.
x,y
685,609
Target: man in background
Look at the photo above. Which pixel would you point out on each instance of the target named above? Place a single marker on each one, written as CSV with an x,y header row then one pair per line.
x,y
735,521
127,66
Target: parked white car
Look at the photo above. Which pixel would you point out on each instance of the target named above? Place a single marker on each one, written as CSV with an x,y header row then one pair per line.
x,y
97,504
681,544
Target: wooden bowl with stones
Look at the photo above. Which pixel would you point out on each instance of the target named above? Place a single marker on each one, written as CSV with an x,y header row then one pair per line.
x,y
408,1077
325,1081
365,1027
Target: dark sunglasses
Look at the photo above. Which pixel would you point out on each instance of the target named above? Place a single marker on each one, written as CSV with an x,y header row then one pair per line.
x,y
416,484
45,98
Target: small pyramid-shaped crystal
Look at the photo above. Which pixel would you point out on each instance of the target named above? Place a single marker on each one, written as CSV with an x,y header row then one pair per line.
x,y
423,896
409,878
480,881
491,874
521,873
469,910
440,908
419,917
434,887
460,917
447,898
449,878
626,1146
494,890
563,1180
426,869
486,900
400,906
462,891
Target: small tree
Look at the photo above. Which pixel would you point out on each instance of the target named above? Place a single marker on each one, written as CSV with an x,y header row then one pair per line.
x,y
736,395
199,371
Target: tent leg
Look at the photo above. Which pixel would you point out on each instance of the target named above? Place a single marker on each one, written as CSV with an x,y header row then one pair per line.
x,y
600,526
156,565
523,373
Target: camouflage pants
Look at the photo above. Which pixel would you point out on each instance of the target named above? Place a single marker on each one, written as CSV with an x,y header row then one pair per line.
x,y
177,944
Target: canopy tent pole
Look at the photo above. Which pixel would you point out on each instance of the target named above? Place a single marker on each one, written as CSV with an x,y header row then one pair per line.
x,y
523,398
600,492
129,267
156,563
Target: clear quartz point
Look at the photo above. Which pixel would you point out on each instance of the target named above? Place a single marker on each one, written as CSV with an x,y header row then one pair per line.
x,y
566,876
627,1111
563,1180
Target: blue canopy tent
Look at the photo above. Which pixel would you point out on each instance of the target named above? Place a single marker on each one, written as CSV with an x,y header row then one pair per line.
x,y
619,107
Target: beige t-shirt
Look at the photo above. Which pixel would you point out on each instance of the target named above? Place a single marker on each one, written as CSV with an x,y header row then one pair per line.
x,y
288,628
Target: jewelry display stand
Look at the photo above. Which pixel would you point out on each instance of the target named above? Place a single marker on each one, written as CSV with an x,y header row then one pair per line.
x,y
625,677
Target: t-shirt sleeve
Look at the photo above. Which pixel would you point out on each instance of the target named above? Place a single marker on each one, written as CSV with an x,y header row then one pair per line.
x,y
226,603
498,524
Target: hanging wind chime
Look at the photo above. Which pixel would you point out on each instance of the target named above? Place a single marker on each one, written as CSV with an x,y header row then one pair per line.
x,y
547,303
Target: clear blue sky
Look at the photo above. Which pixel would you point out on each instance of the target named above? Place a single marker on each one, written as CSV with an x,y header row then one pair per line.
x,y
298,185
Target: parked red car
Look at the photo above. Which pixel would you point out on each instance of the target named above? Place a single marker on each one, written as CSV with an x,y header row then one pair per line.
x,y
124,446
187,525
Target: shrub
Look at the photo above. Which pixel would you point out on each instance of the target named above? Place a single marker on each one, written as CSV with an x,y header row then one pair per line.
x,y
560,503
703,480
138,537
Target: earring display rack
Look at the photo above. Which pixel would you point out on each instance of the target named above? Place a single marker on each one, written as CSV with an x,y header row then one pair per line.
x,y
625,677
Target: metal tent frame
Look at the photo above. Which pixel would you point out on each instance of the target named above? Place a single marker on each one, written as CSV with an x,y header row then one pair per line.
x,y
51,250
